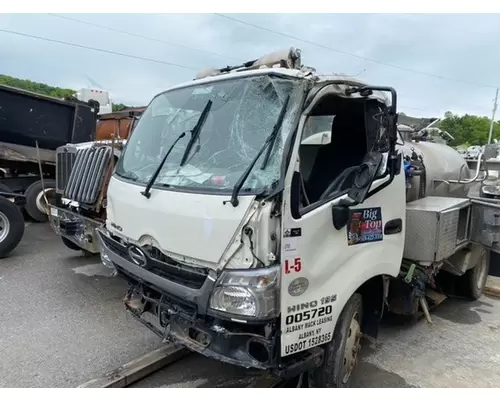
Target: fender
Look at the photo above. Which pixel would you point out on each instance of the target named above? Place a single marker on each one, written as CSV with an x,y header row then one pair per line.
x,y
372,285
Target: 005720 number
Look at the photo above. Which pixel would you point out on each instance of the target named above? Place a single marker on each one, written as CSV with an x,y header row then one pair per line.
x,y
307,315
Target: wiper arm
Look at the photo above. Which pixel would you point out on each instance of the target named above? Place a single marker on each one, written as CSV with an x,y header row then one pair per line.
x,y
270,139
195,132
147,191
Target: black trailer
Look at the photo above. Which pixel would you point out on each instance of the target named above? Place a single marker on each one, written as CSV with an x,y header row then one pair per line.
x,y
32,127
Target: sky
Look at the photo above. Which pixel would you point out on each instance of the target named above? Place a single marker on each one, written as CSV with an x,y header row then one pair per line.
x,y
436,62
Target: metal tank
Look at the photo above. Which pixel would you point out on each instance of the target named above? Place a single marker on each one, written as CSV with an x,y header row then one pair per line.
x,y
435,164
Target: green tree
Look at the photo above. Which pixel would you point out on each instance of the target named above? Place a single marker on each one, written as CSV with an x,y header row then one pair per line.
x,y
119,107
36,87
468,129
47,90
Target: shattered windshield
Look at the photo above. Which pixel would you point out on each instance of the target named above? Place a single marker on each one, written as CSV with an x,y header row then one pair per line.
x,y
241,117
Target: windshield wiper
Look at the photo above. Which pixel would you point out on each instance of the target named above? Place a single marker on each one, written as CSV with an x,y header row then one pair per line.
x,y
270,139
195,132
147,191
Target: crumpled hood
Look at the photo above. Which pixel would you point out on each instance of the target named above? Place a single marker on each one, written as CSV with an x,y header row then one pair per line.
x,y
192,225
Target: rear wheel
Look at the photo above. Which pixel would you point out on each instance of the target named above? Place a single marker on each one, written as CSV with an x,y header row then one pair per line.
x,y
471,284
11,226
36,206
341,354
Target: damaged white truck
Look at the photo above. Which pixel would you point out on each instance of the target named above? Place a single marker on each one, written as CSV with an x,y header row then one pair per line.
x,y
277,224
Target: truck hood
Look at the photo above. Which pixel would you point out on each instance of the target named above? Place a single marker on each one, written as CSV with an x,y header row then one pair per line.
x,y
191,226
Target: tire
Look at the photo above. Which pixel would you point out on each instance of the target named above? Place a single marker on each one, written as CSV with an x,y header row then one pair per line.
x,y
347,334
70,245
31,194
471,284
11,226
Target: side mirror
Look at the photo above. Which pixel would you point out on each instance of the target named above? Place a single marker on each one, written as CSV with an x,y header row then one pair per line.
x,y
318,139
340,216
365,175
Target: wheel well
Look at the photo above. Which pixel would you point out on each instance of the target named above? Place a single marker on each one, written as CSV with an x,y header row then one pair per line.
x,y
372,292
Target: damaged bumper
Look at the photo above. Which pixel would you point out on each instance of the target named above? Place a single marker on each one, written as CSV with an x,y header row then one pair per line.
x,y
78,229
178,311
209,339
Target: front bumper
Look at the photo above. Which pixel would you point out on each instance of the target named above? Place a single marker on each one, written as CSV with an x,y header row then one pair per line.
x,y
78,229
180,314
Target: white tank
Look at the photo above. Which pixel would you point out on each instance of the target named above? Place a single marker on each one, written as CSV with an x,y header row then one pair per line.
x,y
441,162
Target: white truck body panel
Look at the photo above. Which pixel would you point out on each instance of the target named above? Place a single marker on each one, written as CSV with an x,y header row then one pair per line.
x,y
331,268
193,227
102,96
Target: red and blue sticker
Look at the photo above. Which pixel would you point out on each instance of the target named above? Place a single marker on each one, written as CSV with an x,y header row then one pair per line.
x,y
365,226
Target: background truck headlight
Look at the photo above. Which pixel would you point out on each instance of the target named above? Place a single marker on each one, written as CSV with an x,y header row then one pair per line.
x,y
250,292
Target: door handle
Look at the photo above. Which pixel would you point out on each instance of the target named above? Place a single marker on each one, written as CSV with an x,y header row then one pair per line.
x,y
393,226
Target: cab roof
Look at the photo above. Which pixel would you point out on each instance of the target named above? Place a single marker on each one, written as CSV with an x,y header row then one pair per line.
x,y
285,64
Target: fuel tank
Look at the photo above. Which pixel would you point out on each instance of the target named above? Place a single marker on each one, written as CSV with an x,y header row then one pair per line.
x,y
433,163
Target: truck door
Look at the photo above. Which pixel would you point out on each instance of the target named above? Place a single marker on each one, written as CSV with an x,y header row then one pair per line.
x,y
322,266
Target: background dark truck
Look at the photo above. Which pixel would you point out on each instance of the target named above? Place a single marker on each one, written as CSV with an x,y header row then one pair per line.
x,y
26,119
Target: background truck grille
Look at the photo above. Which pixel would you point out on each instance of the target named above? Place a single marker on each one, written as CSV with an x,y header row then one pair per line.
x,y
87,176
65,159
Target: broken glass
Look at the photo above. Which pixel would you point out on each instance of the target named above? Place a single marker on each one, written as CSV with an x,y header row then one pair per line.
x,y
242,116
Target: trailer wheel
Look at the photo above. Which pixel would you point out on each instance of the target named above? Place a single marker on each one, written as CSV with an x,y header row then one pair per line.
x,y
70,245
341,353
35,203
471,284
11,226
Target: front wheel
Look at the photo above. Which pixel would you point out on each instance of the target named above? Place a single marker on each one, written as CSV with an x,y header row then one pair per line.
x,y
341,354
36,206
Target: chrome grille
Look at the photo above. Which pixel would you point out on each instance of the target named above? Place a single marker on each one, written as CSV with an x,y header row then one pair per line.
x,y
65,159
89,168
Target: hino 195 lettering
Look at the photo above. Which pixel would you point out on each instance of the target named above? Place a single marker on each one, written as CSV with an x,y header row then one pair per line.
x,y
266,216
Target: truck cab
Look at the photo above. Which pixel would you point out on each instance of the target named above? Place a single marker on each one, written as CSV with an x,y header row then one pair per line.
x,y
259,215
101,96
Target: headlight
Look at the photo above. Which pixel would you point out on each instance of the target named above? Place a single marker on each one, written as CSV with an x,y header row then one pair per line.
x,y
250,292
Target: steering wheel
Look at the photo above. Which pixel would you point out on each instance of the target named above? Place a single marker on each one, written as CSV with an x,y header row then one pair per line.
x,y
339,181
